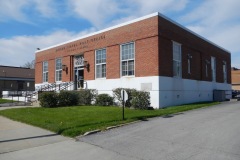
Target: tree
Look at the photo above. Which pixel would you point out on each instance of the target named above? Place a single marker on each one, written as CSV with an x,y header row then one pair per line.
x,y
29,64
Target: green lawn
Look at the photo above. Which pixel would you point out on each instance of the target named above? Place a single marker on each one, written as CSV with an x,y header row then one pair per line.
x,y
5,101
74,121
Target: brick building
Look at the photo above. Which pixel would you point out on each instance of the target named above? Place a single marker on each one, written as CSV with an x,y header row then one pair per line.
x,y
151,53
235,78
16,79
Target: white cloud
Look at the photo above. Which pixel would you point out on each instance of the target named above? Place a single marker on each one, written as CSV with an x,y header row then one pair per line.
x,y
150,6
101,12
47,8
214,12
218,22
10,10
16,10
18,50
97,11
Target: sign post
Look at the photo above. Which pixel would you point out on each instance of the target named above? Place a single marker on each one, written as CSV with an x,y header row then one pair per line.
x,y
124,97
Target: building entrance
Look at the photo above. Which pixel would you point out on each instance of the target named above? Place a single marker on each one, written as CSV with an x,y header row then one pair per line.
x,y
79,72
79,77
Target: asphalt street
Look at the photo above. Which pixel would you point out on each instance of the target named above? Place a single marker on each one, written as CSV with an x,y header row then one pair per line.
x,y
204,134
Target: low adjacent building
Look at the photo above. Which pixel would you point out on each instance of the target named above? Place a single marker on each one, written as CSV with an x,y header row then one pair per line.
x,y
235,78
16,79
152,53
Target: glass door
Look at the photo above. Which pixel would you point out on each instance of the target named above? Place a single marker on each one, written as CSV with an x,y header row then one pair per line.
x,y
79,79
78,71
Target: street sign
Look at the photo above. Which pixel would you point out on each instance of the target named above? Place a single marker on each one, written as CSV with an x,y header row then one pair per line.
x,y
124,97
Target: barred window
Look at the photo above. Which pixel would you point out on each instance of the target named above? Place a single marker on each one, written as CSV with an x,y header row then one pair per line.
x,y
127,59
58,69
45,71
100,57
177,60
224,72
213,68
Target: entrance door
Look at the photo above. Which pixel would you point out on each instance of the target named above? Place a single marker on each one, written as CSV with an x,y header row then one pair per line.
x,y
78,68
79,79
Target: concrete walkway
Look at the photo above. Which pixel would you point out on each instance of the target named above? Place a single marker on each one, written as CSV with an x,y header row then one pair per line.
x,y
16,136
207,133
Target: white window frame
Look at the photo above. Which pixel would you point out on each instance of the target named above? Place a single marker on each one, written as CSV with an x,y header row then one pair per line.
x,y
45,72
177,61
224,72
127,60
214,69
101,64
58,71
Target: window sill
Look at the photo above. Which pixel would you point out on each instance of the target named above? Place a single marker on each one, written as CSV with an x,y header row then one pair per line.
x,y
128,76
58,82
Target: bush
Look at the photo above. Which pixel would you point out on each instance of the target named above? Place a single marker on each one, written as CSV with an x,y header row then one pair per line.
x,y
136,99
67,98
141,100
86,96
130,92
48,99
104,100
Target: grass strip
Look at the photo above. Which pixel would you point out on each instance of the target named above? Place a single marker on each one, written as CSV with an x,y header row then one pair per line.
x,y
5,101
74,121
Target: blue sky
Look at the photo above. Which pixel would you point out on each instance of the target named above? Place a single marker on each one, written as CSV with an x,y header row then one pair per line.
x,y
29,24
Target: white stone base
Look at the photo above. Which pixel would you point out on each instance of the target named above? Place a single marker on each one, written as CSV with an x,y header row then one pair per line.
x,y
164,91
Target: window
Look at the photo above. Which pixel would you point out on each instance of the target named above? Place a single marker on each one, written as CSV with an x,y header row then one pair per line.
x,y
213,68
206,70
224,72
189,66
58,69
100,63
45,71
189,57
177,60
127,59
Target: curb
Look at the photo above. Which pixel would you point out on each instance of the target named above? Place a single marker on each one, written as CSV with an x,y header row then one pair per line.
x,y
91,132
121,125
108,128
87,133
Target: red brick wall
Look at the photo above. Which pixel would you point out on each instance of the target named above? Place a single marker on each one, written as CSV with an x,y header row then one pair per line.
x,y
146,57
90,57
199,49
143,33
38,75
153,52
113,62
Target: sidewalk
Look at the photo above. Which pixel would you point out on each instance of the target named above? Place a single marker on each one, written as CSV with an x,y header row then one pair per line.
x,y
16,136
9,107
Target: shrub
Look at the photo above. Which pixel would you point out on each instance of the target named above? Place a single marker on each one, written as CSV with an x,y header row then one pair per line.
x,y
141,100
67,98
104,100
130,92
48,99
86,96
136,99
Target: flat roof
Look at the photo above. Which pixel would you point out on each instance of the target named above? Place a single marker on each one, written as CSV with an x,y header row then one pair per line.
x,y
16,72
130,22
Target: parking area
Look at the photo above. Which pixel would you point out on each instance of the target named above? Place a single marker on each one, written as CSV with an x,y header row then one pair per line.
x,y
206,133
